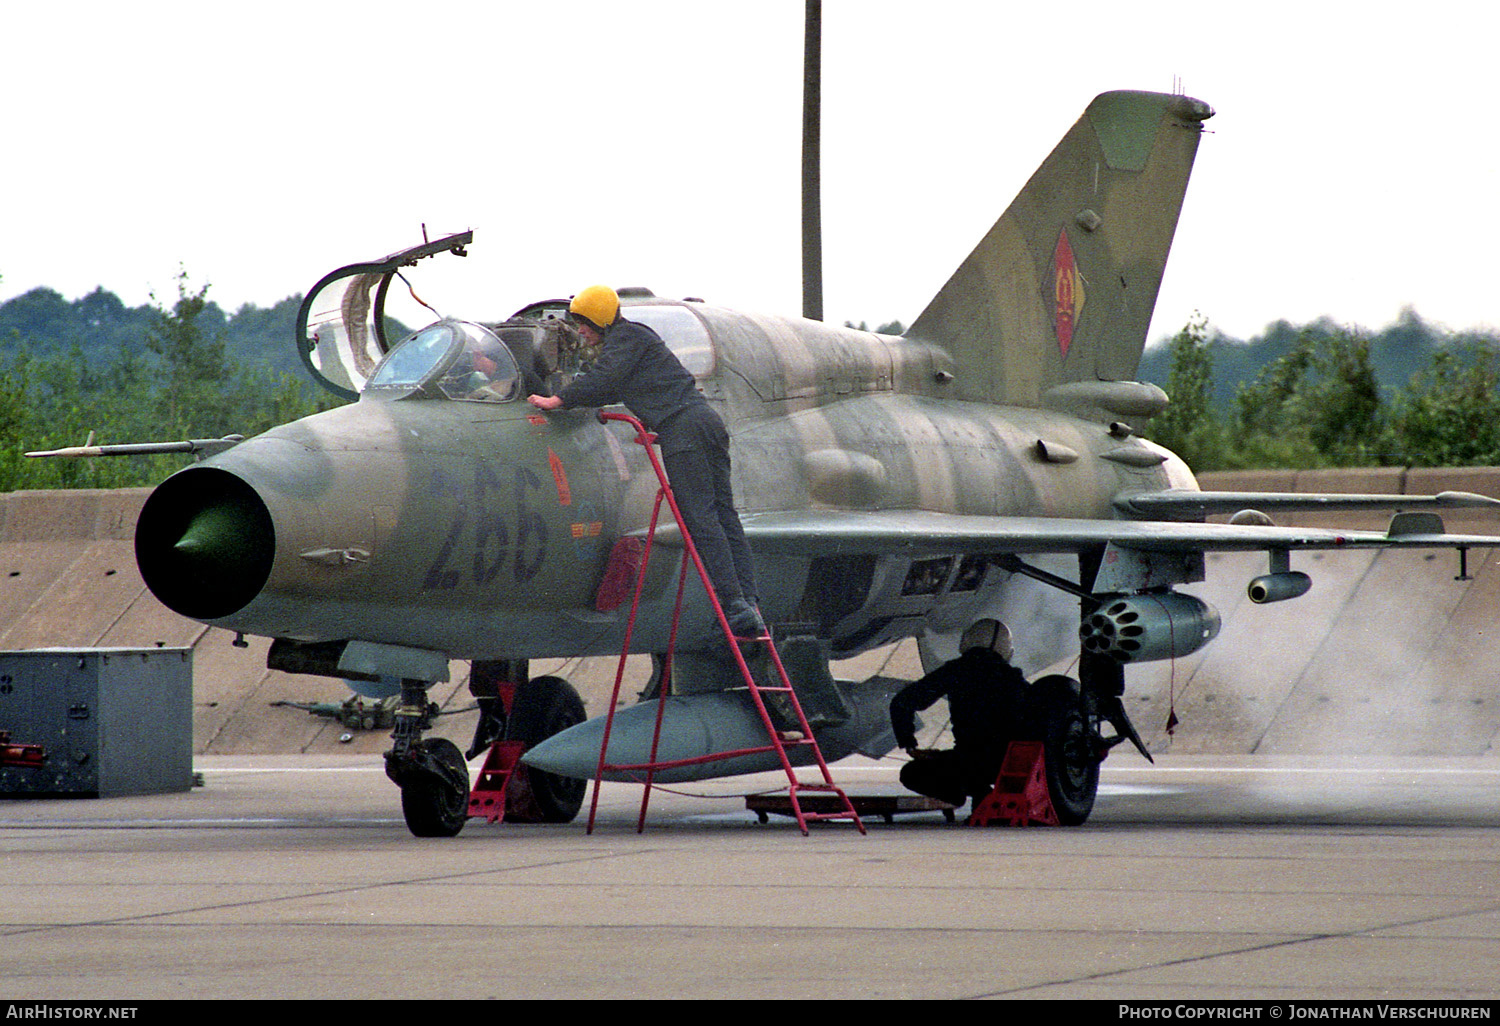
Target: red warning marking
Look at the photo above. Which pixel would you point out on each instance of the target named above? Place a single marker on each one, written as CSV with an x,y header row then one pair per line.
x,y
560,477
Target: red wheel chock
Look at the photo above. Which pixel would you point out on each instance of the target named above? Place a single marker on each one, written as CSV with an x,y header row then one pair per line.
x,y
488,799
1020,797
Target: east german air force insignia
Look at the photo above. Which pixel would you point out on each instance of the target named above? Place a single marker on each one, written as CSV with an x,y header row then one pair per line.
x,y
1067,292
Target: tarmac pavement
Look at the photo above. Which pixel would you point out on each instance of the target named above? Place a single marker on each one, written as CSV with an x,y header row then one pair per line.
x,y
1203,877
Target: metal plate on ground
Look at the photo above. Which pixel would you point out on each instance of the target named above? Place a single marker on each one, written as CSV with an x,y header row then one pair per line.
x,y
885,806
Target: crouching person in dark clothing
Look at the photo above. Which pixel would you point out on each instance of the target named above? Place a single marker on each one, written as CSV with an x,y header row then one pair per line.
x,y
986,699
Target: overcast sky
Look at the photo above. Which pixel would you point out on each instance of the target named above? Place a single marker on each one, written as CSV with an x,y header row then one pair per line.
x,y
1352,167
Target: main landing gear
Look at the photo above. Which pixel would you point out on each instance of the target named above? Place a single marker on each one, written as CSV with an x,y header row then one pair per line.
x,y
543,707
1067,715
1071,745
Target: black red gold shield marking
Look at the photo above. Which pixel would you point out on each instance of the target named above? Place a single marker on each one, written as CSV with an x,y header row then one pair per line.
x,y
1067,292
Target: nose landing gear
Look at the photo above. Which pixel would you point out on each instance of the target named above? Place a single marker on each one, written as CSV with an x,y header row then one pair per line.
x,y
431,773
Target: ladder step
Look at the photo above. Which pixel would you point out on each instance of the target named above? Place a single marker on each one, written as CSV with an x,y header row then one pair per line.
x,y
803,735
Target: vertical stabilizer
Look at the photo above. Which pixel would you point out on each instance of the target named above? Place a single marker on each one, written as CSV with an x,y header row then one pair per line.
x,y
1062,288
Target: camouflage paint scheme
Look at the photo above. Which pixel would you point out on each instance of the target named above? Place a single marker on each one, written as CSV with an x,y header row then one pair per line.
x,y
483,530
886,483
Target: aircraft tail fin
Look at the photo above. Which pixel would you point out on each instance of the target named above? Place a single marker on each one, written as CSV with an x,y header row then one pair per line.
x,y
1060,291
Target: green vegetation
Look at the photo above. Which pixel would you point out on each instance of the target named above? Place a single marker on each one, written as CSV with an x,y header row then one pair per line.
x,y
161,372
1310,396
1321,397
888,328
1190,427
1450,415
100,326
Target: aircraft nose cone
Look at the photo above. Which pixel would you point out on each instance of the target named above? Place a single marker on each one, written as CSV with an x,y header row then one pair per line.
x,y
205,543
222,531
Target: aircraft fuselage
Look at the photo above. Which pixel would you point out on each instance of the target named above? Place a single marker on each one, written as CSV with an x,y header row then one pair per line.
x,y
484,530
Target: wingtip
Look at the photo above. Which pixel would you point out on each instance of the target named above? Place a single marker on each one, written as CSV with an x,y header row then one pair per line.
x,y
1465,499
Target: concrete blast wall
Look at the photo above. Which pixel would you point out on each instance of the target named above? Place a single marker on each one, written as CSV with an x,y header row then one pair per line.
x,y
1387,653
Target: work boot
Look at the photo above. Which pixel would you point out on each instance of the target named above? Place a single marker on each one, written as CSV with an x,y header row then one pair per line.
x,y
489,729
744,619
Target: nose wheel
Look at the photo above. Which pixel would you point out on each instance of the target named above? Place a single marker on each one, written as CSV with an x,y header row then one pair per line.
x,y
432,774
434,784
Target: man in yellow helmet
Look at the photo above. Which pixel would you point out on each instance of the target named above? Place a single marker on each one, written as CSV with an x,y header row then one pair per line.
x,y
636,368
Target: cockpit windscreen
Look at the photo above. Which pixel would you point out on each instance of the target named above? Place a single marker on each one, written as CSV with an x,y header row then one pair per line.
x,y
452,359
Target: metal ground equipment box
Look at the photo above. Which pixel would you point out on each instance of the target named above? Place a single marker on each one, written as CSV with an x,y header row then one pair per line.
x,y
111,721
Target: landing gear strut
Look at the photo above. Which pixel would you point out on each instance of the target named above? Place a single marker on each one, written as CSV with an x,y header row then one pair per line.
x,y
432,775
1066,715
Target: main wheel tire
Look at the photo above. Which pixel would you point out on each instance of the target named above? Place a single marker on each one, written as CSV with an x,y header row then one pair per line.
x,y
1071,745
545,706
433,801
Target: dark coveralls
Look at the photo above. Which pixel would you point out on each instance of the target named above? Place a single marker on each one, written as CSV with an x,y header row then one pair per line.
x,y
986,698
636,368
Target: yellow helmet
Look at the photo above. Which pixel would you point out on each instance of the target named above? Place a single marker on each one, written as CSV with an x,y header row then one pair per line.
x,y
597,304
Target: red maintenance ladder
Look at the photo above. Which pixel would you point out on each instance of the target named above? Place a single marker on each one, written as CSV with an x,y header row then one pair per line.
x,y
777,742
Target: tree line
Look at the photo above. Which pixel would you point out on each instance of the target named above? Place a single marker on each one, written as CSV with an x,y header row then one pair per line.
x,y
161,372
1324,396
99,325
1298,396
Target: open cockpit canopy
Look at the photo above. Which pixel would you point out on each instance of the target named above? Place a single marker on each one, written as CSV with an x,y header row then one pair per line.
x,y
352,346
342,327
